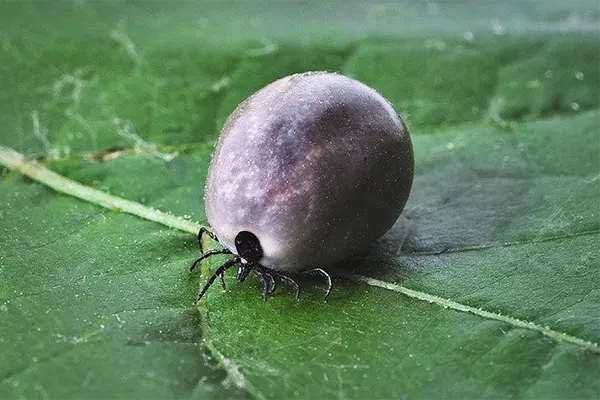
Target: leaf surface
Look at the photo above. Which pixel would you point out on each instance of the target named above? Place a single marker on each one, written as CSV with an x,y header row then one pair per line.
x,y
486,287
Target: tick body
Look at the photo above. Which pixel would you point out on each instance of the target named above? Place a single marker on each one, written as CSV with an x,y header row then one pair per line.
x,y
307,171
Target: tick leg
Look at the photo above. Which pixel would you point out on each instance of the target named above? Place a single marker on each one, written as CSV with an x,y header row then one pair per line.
x,y
205,231
271,282
265,282
220,271
222,278
292,282
269,276
323,273
209,253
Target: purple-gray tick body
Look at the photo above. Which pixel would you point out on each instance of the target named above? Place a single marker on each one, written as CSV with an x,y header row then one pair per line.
x,y
307,171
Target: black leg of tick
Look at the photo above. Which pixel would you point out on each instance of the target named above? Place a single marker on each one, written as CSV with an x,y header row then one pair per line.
x,y
205,231
267,281
270,275
323,273
219,272
292,282
272,283
259,269
222,278
209,253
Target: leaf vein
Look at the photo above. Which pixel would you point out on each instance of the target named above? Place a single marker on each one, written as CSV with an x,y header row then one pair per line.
x,y
453,305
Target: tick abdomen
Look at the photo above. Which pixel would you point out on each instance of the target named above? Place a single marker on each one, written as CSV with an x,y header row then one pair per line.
x,y
318,166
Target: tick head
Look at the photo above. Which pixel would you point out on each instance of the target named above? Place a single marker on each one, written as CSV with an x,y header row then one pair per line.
x,y
248,247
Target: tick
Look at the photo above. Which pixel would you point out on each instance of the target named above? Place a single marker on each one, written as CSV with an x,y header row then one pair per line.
x,y
307,171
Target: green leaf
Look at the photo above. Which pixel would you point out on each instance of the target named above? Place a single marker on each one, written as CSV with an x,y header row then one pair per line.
x,y
486,287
